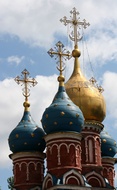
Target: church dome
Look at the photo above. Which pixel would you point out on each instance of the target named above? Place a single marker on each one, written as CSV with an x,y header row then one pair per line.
x,y
27,136
108,145
85,94
62,114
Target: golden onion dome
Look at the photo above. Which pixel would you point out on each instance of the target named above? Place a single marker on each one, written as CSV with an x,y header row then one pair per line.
x,y
85,94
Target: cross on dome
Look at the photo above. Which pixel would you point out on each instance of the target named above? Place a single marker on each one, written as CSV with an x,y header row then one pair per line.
x,y
26,81
60,52
75,23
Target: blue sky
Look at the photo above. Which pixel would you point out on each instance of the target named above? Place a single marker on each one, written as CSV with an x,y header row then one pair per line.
x,y
28,30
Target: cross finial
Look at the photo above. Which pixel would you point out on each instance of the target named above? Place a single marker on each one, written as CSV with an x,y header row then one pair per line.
x,y
75,23
93,80
27,82
100,89
60,52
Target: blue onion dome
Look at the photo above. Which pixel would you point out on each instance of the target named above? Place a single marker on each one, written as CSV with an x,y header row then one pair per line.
x,y
108,145
27,136
62,114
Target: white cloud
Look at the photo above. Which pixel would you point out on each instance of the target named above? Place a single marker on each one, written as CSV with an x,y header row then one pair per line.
x,y
110,86
31,20
15,59
102,48
37,22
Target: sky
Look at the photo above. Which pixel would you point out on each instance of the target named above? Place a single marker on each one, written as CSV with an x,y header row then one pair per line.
x,y
28,29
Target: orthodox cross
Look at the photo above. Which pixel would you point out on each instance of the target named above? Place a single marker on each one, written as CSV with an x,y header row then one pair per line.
x,y
60,53
93,82
75,23
100,89
26,81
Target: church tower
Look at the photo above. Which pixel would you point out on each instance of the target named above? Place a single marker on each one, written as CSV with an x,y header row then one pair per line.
x,y
27,145
62,122
88,96
90,100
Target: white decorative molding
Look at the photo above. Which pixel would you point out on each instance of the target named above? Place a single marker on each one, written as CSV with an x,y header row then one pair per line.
x,y
64,144
63,135
27,155
108,170
94,177
31,162
50,143
74,174
98,177
78,155
90,136
87,147
51,147
27,167
73,177
109,161
46,180
91,151
76,145
94,125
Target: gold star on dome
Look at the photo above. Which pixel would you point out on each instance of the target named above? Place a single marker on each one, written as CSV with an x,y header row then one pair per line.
x,y
17,135
104,140
62,113
32,134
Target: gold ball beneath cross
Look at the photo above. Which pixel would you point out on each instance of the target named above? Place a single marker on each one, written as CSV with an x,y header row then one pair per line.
x,y
26,104
61,78
76,53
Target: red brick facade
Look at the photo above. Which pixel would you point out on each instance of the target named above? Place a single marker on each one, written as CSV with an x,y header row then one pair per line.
x,y
28,169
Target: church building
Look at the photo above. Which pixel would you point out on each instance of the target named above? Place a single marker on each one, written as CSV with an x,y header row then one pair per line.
x,y
72,150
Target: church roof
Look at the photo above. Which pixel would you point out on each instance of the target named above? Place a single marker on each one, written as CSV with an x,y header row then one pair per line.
x,y
108,145
62,114
27,136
